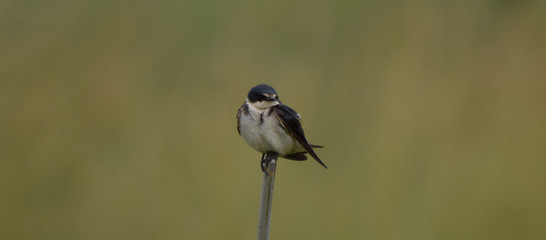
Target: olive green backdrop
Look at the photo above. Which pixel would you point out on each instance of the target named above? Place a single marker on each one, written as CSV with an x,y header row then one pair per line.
x,y
117,118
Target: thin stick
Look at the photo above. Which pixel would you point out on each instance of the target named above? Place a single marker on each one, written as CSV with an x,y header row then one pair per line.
x,y
266,199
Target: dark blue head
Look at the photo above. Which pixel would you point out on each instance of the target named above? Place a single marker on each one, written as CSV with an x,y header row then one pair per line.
x,y
262,92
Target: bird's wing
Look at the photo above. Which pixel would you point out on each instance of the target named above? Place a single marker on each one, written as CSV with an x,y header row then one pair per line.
x,y
242,109
291,122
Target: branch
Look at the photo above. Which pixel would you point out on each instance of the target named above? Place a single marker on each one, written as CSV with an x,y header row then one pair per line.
x,y
266,199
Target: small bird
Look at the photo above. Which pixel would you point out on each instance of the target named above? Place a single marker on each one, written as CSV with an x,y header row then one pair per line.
x,y
271,127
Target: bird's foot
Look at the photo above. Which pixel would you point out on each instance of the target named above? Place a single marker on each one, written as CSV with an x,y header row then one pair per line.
x,y
267,158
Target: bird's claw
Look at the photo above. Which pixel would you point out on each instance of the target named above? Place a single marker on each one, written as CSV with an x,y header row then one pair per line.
x,y
263,164
267,158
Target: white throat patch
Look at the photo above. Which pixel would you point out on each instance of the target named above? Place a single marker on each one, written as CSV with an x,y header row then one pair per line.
x,y
262,105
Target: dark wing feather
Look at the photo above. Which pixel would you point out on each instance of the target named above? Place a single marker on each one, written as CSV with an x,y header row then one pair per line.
x,y
296,156
290,121
242,109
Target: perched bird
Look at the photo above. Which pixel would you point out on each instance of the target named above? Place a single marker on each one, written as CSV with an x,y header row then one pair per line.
x,y
271,127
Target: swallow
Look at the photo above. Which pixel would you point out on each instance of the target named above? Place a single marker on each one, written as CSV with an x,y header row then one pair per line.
x,y
270,127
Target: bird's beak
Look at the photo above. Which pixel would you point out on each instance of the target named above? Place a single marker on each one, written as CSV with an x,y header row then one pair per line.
x,y
271,98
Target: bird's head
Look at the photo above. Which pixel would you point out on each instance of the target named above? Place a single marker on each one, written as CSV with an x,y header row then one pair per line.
x,y
263,96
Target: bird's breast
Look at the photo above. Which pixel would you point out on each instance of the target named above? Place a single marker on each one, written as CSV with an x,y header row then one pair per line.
x,y
263,132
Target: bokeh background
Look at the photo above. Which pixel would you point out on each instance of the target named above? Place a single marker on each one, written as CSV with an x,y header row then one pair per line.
x,y
117,118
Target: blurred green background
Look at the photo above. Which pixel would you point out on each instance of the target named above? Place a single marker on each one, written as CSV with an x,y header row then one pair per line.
x,y
117,118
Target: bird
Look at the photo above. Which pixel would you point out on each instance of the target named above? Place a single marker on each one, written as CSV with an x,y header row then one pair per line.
x,y
270,127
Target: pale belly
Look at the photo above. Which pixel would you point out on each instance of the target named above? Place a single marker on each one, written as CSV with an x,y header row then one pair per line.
x,y
268,136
